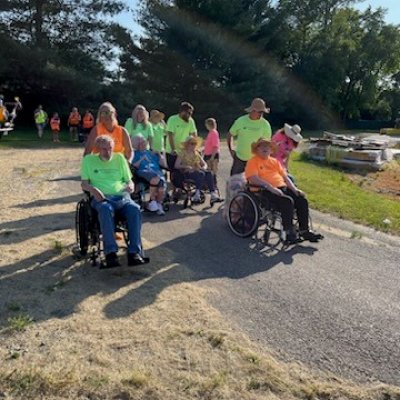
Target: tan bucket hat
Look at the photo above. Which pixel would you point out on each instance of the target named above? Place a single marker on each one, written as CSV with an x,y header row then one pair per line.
x,y
156,115
258,105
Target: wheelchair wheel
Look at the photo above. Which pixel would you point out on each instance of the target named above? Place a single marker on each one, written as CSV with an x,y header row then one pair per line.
x,y
82,223
243,215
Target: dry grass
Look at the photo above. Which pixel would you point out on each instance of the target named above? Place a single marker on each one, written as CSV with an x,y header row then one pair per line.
x,y
102,335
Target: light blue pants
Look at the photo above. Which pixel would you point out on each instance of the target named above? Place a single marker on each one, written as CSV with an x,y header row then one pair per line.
x,y
130,211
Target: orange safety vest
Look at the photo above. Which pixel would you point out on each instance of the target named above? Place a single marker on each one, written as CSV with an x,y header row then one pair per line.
x,y
74,118
55,124
88,121
116,134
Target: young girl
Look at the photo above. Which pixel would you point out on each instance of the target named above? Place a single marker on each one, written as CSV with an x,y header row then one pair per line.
x,y
193,167
55,127
286,139
212,147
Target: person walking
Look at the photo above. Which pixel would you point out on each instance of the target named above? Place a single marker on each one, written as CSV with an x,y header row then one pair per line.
x,y
74,120
139,123
41,119
87,124
246,130
55,127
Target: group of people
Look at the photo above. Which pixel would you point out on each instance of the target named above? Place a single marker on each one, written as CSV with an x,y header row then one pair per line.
x,y
7,117
79,126
147,143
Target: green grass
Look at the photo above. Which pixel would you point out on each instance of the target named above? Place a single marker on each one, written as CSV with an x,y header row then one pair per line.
x,y
19,323
28,138
330,190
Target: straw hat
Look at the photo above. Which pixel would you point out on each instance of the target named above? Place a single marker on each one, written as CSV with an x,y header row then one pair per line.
x,y
293,132
192,139
156,115
257,105
262,142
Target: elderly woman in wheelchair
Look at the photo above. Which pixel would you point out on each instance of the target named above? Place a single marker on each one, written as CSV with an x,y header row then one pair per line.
x,y
147,165
270,189
107,178
192,167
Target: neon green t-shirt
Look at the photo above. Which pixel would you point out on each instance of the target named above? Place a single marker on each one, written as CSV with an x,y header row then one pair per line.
x,y
40,117
246,131
108,176
145,130
159,133
180,129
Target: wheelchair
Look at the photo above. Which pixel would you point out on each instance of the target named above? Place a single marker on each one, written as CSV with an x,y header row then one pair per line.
x,y
88,234
184,188
142,188
249,212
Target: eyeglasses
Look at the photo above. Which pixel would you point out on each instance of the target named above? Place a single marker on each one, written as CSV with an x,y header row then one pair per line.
x,y
106,112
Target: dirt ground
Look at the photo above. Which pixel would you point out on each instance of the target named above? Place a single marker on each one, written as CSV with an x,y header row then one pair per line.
x,y
385,182
70,331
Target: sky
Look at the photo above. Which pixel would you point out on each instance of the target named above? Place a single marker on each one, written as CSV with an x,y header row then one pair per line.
x,y
126,19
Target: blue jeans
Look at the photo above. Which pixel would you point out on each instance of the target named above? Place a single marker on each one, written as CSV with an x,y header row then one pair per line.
x,y
130,212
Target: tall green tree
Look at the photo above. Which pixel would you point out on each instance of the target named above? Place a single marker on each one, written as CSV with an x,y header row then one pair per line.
x,y
57,52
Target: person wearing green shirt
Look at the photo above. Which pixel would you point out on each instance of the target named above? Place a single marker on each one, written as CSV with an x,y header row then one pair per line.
x,y
246,130
107,177
139,124
159,130
41,119
180,126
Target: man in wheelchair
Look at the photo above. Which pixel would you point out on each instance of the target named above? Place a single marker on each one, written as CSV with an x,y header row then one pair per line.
x,y
264,171
108,179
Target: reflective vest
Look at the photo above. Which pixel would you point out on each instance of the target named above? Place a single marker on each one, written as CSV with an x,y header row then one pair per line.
x,y
116,134
88,121
74,118
55,124
40,117
3,114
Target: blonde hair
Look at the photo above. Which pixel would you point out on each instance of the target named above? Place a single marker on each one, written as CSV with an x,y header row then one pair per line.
x,y
135,112
211,123
107,106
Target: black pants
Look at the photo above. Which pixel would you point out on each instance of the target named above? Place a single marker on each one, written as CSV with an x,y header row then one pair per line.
x,y
238,166
286,206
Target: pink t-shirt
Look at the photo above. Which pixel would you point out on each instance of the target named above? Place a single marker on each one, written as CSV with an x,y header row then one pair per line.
x,y
211,142
284,148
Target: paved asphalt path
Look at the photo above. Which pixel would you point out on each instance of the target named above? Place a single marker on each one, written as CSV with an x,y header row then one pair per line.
x,y
334,305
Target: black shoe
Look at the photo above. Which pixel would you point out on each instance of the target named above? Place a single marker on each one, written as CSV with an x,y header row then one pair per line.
x,y
311,236
136,259
111,261
291,238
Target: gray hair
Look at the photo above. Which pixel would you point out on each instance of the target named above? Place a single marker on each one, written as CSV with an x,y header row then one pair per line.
x,y
137,139
104,139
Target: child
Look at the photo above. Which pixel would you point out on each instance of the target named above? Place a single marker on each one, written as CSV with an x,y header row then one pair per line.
x,y
286,139
212,147
55,127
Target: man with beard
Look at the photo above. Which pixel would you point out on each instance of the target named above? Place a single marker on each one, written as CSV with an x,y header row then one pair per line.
x,y
179,127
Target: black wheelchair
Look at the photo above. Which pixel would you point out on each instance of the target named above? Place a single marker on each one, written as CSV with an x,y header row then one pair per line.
x,y
88,234
250,213
184,188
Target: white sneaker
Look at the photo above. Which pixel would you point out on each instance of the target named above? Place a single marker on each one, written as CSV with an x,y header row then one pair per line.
x,y
152,206
160,210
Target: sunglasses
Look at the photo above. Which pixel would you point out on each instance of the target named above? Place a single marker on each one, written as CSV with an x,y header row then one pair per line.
x,y
106,112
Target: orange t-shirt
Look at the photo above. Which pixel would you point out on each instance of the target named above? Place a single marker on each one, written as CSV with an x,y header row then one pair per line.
x,y
116,134
55,124
74,119
269,170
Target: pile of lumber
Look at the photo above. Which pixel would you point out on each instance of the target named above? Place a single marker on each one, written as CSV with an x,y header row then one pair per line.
x,y
358,152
